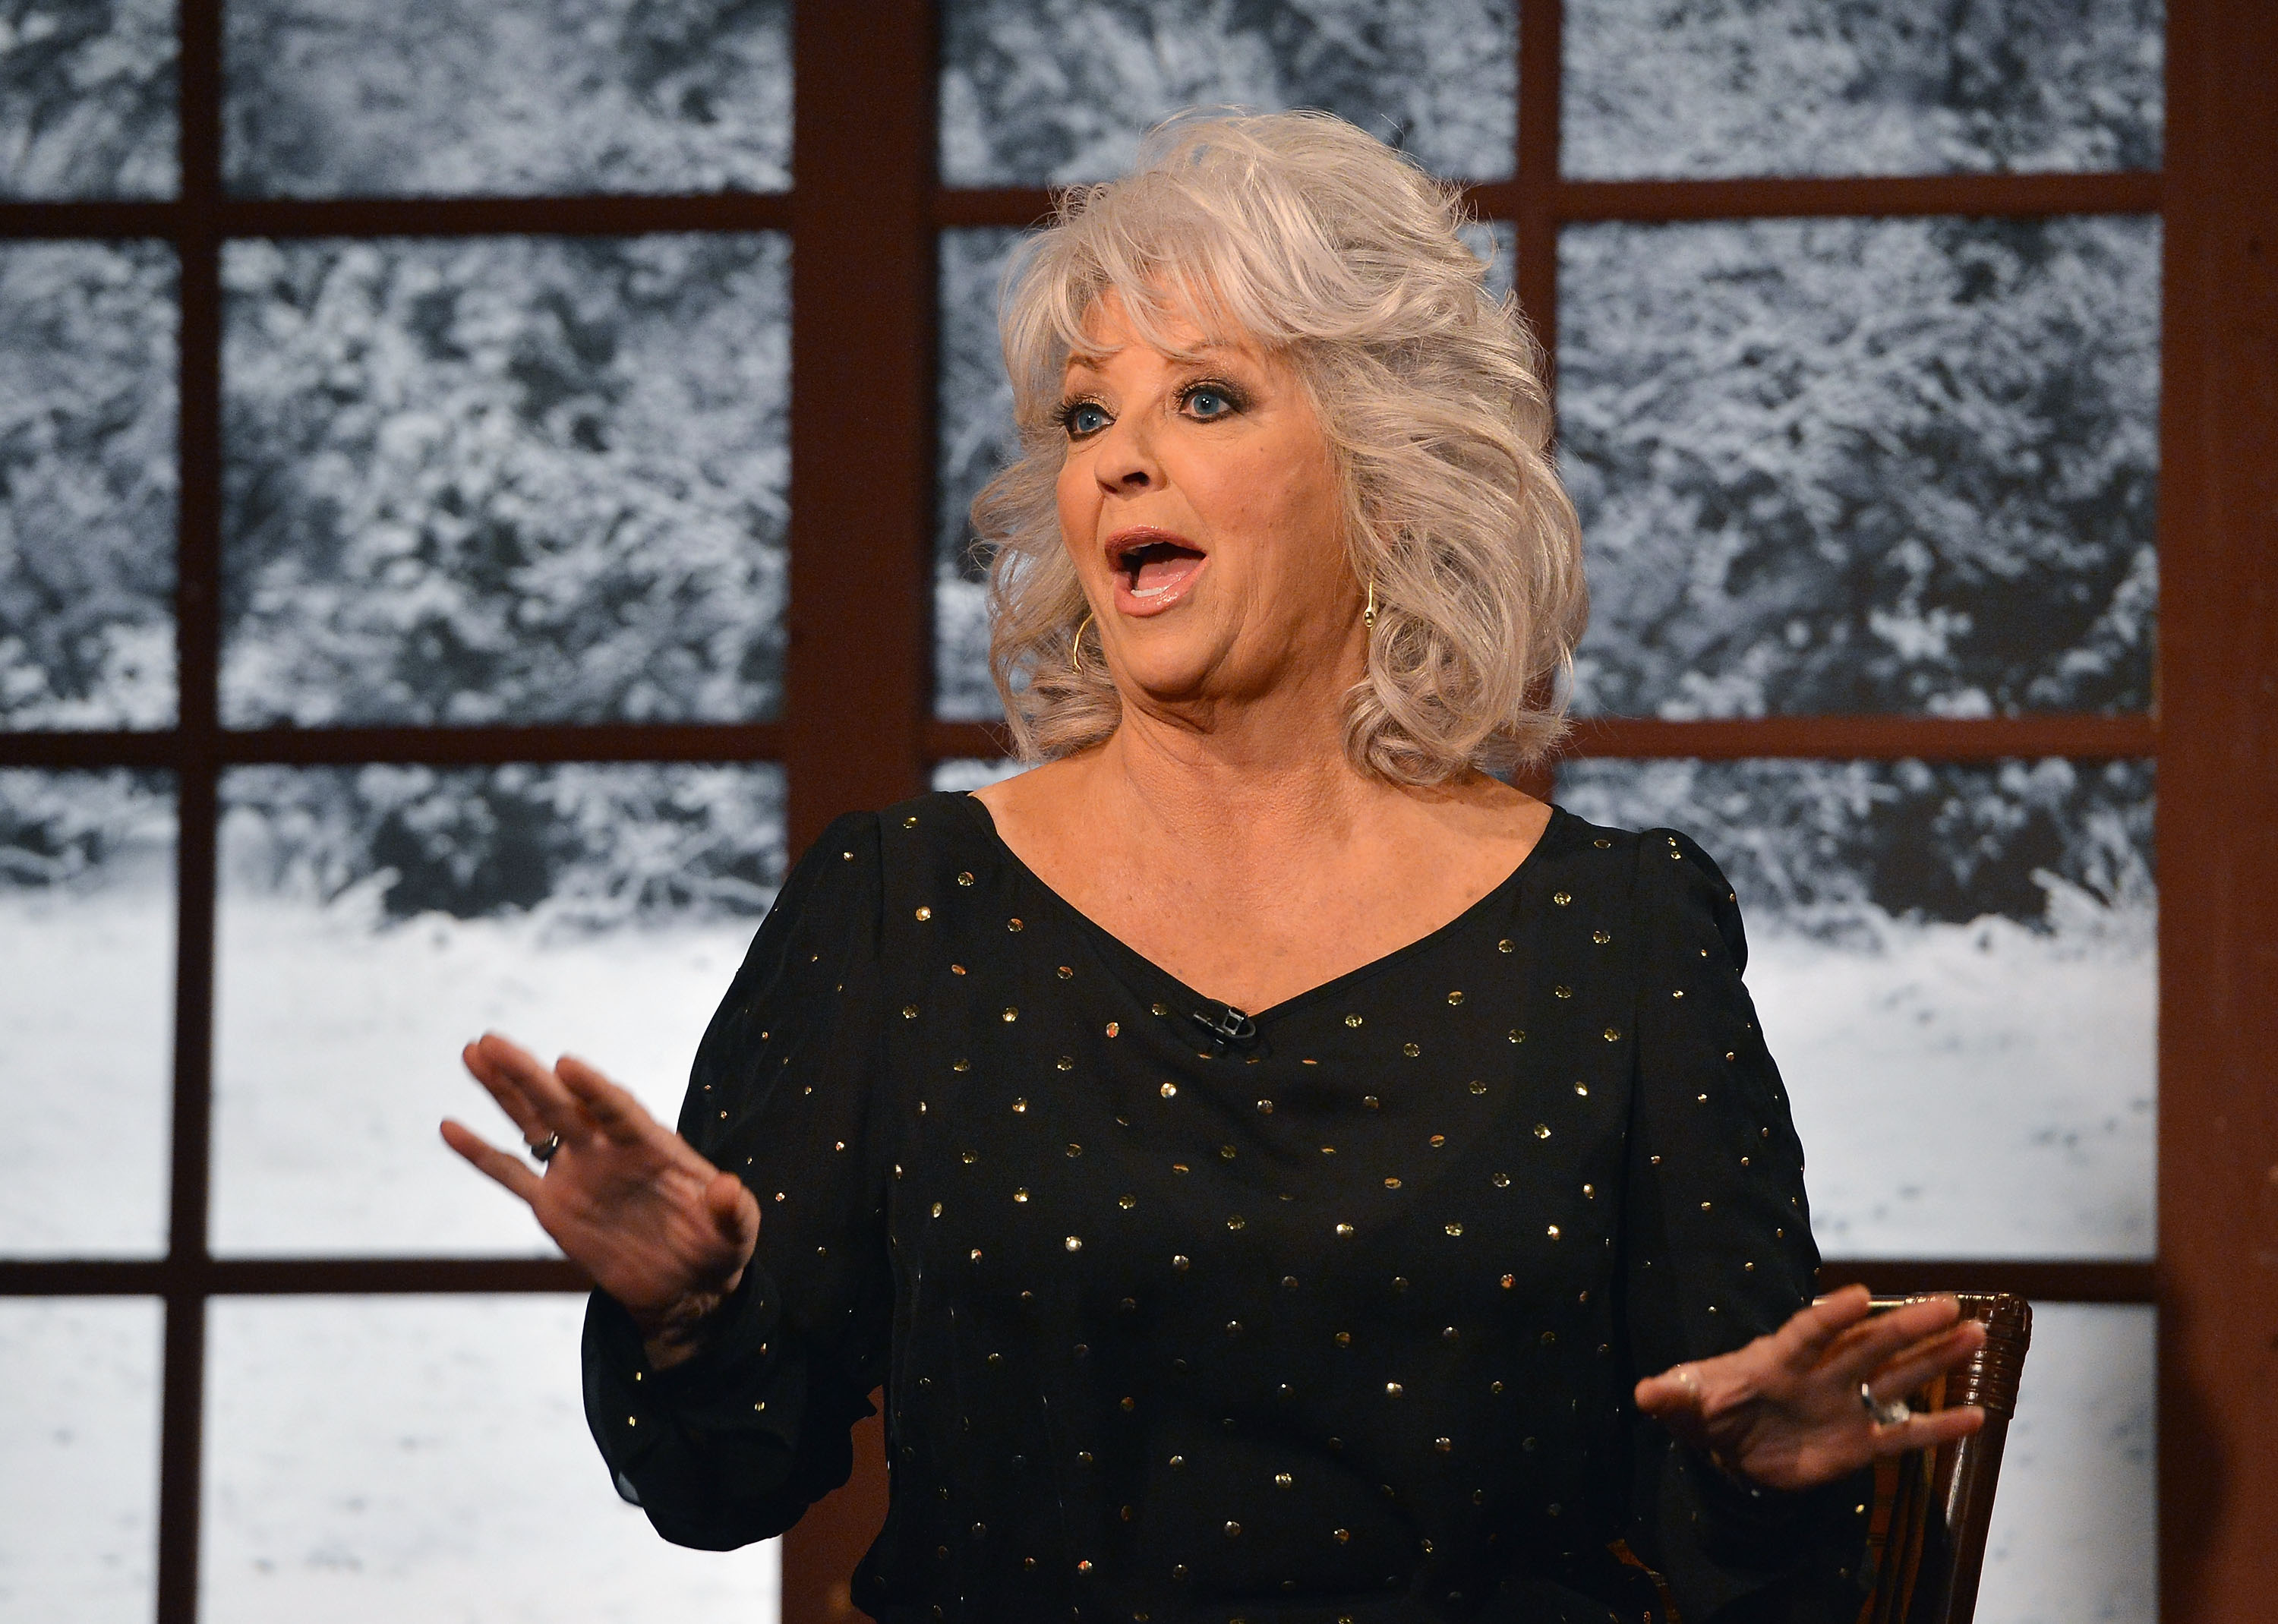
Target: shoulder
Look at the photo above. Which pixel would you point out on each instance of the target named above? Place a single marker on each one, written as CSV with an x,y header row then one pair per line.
x,y
1675,885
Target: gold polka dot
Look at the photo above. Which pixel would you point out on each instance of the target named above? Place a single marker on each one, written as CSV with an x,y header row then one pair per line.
x,y
1019,1107
937,1208
910,821
1235,1221
1392,1184
1561,898
1352,1020
1226,1153
1182,1262
1613,1035
1602,844
1477,1086
1074,1149
1561,992
1679,992
1170,1091
968,1157
1065,1063
1454,1229
976,1255
1509,1281
1012,1015
957,970
1073,1243
1014,925
1438,1140
1021,1196
1516,1035
1410,1050
1232,1530
1591,1190
961,1065
1506,946
1162,1009
1282,1480
1343,1538
925,913
1601,937
1582,1089
1067,973
1443,1445
1127,1202
1542,1130
964,879
1455,998
909,1011
1553,1232
1393,1390
1501,1181
1112,1028
1372,1102
1265,1108
1344,1229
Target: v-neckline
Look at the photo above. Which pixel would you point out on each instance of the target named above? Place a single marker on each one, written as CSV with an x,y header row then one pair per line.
x,y
1114,948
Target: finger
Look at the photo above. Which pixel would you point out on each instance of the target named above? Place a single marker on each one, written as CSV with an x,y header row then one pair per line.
x,y
1871,1346
735,1210
557,1110
1928,1430
620,1116
1927,1360
1811,1331
504,1091
508,1170
1675,1391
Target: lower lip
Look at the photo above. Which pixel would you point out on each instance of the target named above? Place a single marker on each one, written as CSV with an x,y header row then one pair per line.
x,y
1140,605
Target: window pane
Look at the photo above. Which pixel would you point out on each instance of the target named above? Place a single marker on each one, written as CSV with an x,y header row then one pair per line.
x,y
1936,944
86,1012
87,485
1863,87
371,1460
2074,1531
374,919
1853,465
337,98
87,99
505,480
1061,91
977,438
79,1458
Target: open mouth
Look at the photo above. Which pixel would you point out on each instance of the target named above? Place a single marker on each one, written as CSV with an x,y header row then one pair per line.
x,y
1152,564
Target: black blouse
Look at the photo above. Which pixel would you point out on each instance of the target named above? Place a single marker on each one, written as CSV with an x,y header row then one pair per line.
x,y
1331,1315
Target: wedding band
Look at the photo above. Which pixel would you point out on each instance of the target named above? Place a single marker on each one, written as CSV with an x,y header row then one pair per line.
x,y
541,1150
1894,1413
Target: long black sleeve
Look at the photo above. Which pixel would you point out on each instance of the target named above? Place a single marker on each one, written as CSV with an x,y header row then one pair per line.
x,y
733,1445
1717,1252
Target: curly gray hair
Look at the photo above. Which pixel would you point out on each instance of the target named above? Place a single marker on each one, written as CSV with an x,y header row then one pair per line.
x,y
1325,246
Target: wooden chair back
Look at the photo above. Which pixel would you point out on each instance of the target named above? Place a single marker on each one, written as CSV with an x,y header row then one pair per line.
x,y
1932,1509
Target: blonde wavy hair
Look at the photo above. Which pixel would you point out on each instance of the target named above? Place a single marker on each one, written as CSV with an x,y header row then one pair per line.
x,y
1339,256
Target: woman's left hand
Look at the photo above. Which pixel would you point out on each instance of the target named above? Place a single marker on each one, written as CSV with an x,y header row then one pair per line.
x,y
1783,1412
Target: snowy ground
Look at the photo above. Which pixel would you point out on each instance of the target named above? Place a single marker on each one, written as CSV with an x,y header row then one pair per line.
x,y
423,1457
86,1061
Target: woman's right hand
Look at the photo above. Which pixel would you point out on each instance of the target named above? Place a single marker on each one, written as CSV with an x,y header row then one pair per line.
x,y
657,1226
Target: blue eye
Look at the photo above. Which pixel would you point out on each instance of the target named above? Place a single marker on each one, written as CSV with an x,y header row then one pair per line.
x,y
1208,403
1083,418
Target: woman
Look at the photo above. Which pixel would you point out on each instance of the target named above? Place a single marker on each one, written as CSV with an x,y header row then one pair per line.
x,y
1275,1170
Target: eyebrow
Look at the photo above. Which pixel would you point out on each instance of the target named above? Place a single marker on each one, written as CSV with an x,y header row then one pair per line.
x,y
1200,355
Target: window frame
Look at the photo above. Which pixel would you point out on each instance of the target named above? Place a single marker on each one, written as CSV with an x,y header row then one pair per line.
x,y
863,214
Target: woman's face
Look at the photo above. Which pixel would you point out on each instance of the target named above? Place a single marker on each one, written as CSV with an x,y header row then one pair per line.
x,y
1201,507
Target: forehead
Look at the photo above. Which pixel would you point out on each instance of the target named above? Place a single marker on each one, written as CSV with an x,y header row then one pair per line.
x,y
1111,326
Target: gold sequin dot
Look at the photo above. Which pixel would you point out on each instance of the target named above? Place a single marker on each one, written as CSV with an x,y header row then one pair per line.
x,y
910,821
1073,1243
1344,1536
1410,1050
1236,1223
1552,1231
957,970
1352,1020
964,879
937,1208
1372,1102
976,1255
1226,1153
1506,946
1021,1196
1477,1086
1454,1229
1161,1008
1509,1281
1282,1480
1439,1140
1065,1063
1561,991
1075,1150
1582,1089
1012,1015
1182,1262
1602,844
1113,1027
1019,1107
1067,973
1265,1108
1393,1390
1517,1035
1344,1229
909,1011
1014,925
1170,1091
968,1158
1561,898
1501,1181
961,1065
925,913
1601,937
1127,1202
1232,1530
1392,1184
1455,998
1613,1035
1542,1130
1344,1338
1443,1445
1590,1191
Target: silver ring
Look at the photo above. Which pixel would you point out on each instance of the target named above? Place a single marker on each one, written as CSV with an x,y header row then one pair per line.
x,y
1895,1414
541,1150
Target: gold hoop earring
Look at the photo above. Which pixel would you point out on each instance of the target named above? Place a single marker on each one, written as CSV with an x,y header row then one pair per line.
x,y
1368,615
1075,649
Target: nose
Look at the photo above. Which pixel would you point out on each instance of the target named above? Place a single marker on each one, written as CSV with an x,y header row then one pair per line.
x,y
1126,465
